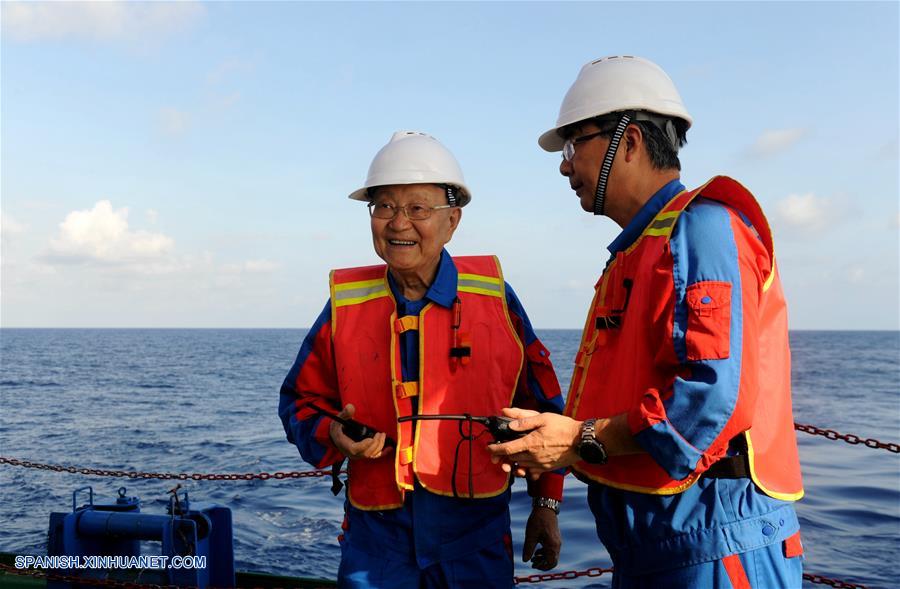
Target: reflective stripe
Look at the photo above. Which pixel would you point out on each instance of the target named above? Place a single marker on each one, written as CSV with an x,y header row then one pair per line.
x,y
351,293
406,455
358,284
662,224
406,323
405,390
479,284
771,277
736,573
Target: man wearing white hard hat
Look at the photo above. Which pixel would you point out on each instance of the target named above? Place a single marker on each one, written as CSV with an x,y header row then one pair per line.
x,y
421,336
679,413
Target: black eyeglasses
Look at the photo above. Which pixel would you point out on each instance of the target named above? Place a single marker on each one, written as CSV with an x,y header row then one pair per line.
x,y
568,151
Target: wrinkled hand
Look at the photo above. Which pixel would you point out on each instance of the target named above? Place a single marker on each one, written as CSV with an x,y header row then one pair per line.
x,y
542,528
551,443
369,448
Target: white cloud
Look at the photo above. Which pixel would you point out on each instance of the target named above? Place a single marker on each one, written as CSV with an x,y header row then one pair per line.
x,y
803,211
261,266
774,141
226,102
152,216
97,21
250,267
102,235
174,122
856,274
890,151
9,226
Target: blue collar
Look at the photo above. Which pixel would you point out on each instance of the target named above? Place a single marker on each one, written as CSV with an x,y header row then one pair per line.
x,y
640,221
442,291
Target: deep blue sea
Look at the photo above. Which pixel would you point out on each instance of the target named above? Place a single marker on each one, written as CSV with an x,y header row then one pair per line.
x,y
184,400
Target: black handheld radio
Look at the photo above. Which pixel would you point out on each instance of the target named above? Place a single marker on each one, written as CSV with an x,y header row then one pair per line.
x,y
353,429
497,425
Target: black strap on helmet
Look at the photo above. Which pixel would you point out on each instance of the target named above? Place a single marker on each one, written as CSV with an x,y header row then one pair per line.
x,y
606,166
452,196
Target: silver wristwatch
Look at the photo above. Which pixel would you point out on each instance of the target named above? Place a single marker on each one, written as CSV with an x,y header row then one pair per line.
x,y
546,502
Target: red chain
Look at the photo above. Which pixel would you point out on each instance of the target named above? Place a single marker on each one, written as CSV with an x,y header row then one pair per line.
x,y
264,476
849,438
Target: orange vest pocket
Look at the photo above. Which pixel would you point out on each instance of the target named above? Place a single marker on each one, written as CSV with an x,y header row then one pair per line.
x,y
709,320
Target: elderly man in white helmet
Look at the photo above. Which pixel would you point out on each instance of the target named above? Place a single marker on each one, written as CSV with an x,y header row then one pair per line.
x,y
679,412
418,349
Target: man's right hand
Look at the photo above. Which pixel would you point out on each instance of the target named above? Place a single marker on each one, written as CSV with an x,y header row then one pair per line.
x,y
369,448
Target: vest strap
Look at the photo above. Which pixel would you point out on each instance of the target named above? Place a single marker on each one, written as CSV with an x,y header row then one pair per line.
x,y
407,323
406,455
731,467
460,352
608,322
404,390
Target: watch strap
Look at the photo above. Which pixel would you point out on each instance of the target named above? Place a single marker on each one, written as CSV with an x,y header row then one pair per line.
x,y
546,502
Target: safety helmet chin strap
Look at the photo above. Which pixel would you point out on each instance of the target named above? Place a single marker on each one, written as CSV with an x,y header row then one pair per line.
x,y
452,196
606,167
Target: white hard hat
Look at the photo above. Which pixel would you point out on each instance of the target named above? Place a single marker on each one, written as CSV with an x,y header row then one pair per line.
x,y
411,157
612,84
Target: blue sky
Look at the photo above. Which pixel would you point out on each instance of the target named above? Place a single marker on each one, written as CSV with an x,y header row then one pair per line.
x,y
187,165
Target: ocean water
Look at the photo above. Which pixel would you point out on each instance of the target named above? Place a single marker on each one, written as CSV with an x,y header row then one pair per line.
x,y
205,401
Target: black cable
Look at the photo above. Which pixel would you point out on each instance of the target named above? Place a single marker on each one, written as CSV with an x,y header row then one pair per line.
x,y
463,438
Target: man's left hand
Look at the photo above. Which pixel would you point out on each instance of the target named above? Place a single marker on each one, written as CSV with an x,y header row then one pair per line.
x,y
542,528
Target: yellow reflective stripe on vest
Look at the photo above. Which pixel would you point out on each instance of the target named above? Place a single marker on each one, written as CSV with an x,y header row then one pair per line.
x,y
479,284
351,293
771,277
662,224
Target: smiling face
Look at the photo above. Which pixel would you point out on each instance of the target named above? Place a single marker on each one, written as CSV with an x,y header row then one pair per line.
x,y
413,248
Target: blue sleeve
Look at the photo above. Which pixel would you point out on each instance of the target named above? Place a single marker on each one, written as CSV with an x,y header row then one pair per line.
x,y
311,378
679,429
539,382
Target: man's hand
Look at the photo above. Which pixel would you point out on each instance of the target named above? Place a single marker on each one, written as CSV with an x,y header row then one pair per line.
x,y
551,444
542,528
369,448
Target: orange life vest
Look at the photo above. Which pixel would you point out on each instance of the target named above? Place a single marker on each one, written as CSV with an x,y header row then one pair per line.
x,y
365,330
617,362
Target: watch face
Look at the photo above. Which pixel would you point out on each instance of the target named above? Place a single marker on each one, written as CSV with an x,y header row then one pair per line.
x,y
592,453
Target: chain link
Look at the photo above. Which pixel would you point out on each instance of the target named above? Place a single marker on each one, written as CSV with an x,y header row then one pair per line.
x,y
536,578
597,571
849,438
167,476
540,577
820,580
830,434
